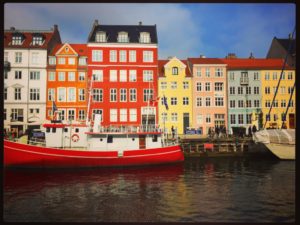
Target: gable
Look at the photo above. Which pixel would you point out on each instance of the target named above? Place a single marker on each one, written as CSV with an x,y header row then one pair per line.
x,y
66,49
175,62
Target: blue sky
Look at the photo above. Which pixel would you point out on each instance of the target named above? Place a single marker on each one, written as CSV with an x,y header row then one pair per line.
x,y
184,30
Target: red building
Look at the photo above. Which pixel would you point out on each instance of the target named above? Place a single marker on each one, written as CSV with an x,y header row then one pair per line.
x,y
122,65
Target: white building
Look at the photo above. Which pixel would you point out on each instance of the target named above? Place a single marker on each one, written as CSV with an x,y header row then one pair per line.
x,y
25,76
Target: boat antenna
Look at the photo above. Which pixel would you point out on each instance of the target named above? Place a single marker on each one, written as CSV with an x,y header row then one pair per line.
x,y
281,74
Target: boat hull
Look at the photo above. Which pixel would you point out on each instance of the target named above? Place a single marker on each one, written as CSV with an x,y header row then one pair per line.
x,y
23,155
282,151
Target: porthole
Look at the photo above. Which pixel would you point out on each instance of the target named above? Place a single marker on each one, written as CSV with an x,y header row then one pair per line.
x,y
133,139
101,139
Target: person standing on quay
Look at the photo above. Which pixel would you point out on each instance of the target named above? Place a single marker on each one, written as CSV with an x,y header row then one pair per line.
x,y
249,131
173,132
254,129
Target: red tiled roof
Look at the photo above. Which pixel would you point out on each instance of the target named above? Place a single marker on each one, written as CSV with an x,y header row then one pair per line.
x,y
205,61
81,49
255,63
161,70
27,39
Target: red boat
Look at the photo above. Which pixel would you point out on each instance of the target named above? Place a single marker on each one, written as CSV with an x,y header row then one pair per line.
x,y
80,146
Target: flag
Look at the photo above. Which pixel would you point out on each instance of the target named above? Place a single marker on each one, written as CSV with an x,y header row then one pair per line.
x,y
154,102
165,103
54,108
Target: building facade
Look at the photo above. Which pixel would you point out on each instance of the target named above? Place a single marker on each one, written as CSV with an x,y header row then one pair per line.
x,y
67,83
209,93
175,85
25,56
122,65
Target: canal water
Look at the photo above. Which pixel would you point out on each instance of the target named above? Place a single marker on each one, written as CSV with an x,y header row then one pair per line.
x,y
197,190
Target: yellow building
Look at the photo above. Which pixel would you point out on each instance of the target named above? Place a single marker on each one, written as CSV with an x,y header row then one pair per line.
x,y
270,80
175,84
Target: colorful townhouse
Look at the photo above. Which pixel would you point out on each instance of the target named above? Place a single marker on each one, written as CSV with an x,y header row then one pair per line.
x,y
175,85
67,83
209,88
122,65
25,76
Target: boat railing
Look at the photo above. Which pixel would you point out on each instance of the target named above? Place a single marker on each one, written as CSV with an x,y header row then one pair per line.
x,y
129,128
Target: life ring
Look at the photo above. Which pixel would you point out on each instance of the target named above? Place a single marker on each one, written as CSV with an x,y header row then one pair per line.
x,y
75,137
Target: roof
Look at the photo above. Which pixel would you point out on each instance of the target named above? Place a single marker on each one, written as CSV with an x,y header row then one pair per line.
x,y
205,61
132,30
162,63
285,43
247,63
28,35
81,49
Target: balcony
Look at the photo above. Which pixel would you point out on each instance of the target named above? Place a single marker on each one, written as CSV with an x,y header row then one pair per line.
x,y
244,80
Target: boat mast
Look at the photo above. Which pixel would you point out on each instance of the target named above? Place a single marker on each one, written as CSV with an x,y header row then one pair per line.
x,y
283,67
89,102
288,106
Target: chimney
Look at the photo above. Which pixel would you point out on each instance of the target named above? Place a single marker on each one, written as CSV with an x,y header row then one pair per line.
x,y
12,28
202,56
96,23
170,57
251,56
55,27
140,23
231,56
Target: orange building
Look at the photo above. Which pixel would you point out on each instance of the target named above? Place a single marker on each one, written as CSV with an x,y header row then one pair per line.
x,y
67,83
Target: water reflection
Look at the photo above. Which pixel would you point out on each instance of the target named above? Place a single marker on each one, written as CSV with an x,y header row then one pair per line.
x,y
210,190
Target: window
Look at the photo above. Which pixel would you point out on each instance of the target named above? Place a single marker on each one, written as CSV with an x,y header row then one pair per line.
x,y
232,90
164,117
4,114
81,76
71,76
256,90
98,75
268,117
248,104
81,114
256,103
231,75
240,90
207,86
61,114
199,86
81,94
185,85
256,76
113,55
208,118
100,37
113,115
123,75
291,103
283,103
232,119
82,61
132,95
51,94
71,61
248,90
219,72
132,56
148,94
274,90
290,90
51,76
174,70
248,118
283,76
144,37
37,40
199,119
97,55
61,61
163,85
162,100
34,75
71,114
199,101
113,95
123,37
219,86
290,76
5,93
17,93
198,72
282,90
232,103
62,94
34,94
267,90
207,72
173,101
123,95
52,60
132,75
219,101
240,103
61,76
132,115
173,85
113,76
122,56
17,115
18,57
147,75
207,101
174,117
18,75
123,115
267,76
5,56
17,40
268,103
274,75
185,101
241,118
35,58
97,95
147,56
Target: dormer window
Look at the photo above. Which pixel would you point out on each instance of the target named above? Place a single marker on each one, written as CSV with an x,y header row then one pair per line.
x,y
17,40
175,70
37,40
100,37
145,37
123,37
